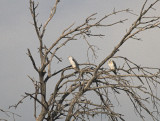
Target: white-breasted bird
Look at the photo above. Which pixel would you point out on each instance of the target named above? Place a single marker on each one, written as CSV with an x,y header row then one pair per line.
x,y
74,63
112,66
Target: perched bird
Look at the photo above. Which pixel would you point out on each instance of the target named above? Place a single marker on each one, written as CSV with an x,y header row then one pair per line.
x,y
74,63
112,66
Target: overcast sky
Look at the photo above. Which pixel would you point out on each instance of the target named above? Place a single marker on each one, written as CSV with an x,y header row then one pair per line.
x,y
17,34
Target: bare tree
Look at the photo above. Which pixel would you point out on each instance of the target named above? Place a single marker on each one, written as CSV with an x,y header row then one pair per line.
x,y
69,98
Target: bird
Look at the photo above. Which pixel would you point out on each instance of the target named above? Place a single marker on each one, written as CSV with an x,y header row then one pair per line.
x,y
74,63
112,66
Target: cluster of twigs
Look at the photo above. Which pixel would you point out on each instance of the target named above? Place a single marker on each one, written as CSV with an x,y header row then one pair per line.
x,y
8,114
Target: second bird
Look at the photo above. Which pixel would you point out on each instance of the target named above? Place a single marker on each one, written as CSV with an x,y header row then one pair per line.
x,y
112,66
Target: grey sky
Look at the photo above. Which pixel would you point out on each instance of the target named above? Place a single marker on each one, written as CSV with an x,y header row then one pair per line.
x,y
17,34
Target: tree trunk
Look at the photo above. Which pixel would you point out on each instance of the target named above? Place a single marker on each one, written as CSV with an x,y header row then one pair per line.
x,y
43,98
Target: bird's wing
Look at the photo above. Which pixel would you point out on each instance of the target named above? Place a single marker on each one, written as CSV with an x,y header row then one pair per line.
x,y
77,65
115,65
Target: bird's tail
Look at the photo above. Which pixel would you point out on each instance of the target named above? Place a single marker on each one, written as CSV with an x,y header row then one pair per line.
x,y
114,71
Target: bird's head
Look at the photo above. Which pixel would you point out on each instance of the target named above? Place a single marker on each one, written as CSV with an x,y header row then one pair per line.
x,y
110,61
70,57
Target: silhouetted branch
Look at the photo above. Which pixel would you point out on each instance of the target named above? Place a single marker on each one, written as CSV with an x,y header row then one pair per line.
x,y
33,62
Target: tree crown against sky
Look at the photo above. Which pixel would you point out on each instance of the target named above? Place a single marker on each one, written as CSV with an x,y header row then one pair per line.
x,y
93,77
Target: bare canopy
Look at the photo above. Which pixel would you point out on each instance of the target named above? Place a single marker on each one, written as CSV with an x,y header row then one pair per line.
x,y
67,100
